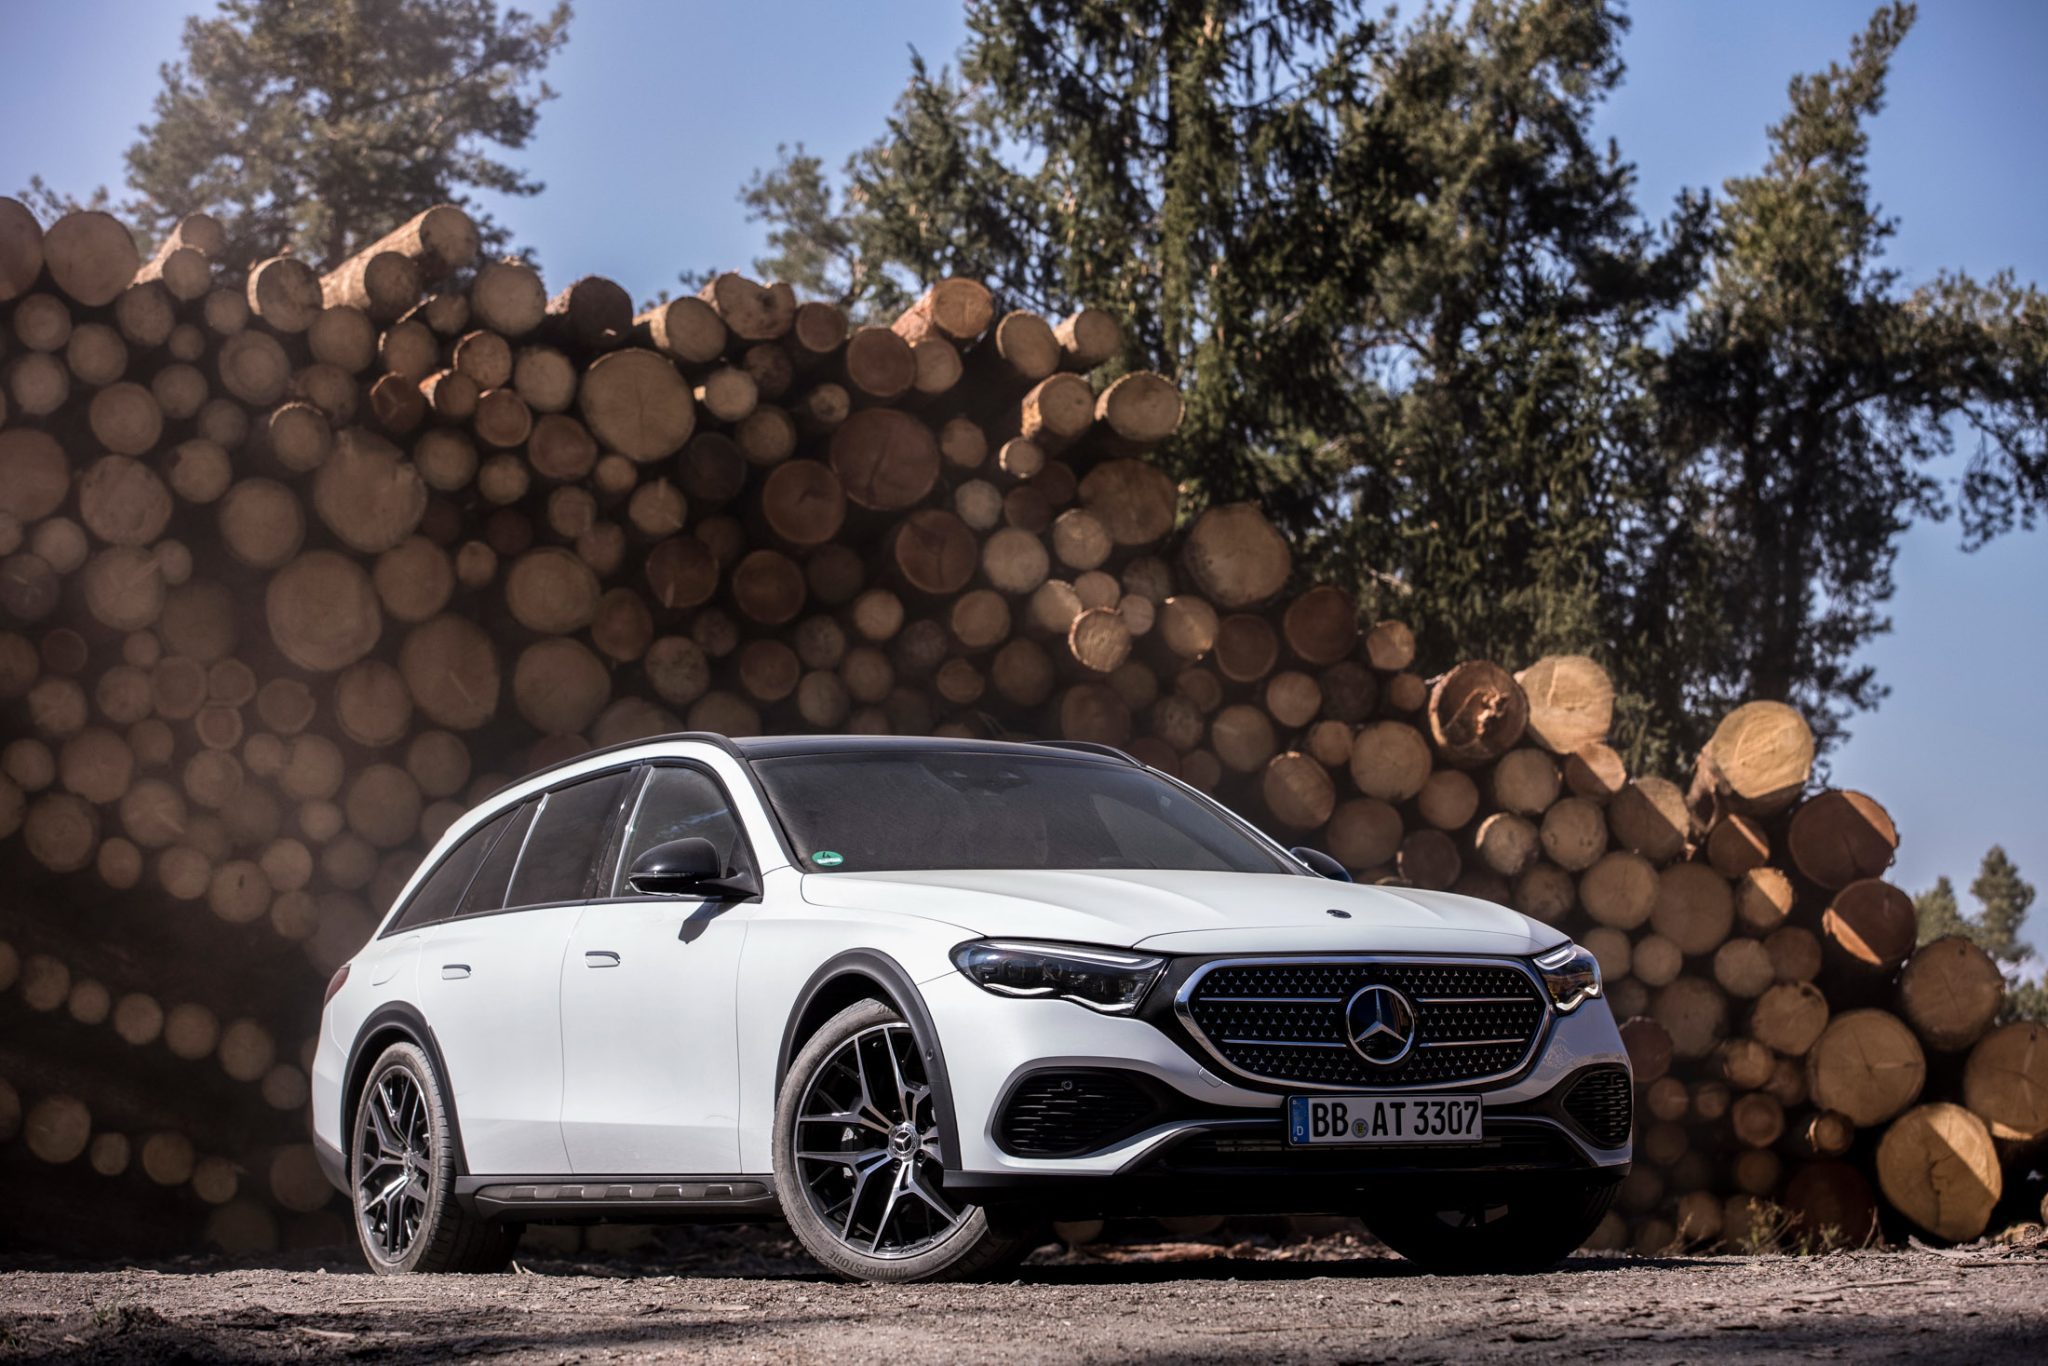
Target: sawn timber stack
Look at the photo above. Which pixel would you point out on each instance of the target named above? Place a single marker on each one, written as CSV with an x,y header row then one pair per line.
x,y
294,567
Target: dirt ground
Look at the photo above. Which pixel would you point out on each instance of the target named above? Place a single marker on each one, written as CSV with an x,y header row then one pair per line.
x,y
1334,1299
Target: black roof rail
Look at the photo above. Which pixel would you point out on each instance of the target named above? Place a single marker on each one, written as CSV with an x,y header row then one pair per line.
x,y
713,738
1087,747
732,747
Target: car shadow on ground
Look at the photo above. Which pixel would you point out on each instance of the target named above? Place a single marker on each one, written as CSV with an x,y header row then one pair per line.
x,y
1124,1266
1227,1268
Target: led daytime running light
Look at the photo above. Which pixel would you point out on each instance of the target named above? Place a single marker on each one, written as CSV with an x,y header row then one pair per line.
x,y
1105,980
1570,974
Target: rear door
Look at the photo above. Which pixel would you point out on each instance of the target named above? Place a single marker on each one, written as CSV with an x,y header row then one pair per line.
x,y
650,1052
392,962
490,977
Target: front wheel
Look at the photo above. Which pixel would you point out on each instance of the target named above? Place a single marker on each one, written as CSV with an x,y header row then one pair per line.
x,y
1530,1229
857,1160
402,1176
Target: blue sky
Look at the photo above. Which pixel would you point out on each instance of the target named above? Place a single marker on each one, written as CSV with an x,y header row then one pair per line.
x,y
667,107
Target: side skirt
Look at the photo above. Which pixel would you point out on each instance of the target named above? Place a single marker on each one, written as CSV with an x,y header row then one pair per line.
x,y
635,1199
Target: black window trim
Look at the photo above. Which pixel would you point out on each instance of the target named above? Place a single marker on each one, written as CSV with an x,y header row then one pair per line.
x,y
611,825
398,910
539,798
617,847
724,744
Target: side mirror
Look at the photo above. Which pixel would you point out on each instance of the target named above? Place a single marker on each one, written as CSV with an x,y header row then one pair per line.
x,y
688,867
1322,863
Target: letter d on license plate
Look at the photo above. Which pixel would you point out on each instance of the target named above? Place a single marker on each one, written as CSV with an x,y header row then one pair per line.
x,y
1377,1120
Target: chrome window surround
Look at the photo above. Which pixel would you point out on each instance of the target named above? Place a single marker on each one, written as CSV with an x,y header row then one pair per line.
x,y
1184,1010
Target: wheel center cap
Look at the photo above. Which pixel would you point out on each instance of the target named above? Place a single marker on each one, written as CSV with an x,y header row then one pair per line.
x,y
902,1141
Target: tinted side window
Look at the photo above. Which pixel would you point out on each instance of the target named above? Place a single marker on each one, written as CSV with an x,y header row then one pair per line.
x,y
487,888
679,803
568,836
438,897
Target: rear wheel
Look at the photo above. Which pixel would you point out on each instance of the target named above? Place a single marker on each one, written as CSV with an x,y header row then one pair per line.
x,y
1456,1233
858,1165
402,1177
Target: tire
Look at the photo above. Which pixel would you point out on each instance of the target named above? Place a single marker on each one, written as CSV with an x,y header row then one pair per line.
x,y
1531,1229
401,1142
865,1194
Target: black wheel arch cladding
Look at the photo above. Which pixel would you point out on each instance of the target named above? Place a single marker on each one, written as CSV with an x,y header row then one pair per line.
x,y
396,1022
852,976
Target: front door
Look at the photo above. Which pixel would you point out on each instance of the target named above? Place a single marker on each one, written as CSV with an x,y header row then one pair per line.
x,y
649,1036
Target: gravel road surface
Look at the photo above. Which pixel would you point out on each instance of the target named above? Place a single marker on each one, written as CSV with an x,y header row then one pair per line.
x,y
1180,1302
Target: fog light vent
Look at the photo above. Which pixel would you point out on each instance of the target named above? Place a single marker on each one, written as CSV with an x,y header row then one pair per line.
x,y
1068,1113
1602,1104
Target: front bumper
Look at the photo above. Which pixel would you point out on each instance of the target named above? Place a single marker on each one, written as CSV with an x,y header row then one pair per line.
x,y
1219,1131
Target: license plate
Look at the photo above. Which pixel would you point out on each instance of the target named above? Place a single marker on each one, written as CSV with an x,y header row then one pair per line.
x,y
1317,1120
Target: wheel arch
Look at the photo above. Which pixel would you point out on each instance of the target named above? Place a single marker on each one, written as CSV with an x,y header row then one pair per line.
x,y
393,1023
868,975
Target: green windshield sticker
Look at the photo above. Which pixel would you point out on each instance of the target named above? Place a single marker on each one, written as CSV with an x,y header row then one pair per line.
x,y
825,858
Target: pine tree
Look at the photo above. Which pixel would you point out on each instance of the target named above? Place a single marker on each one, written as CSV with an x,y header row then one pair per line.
x,y
1804,404
1417,313
811,245
2005,897
2025,1001
1500,448
1938,913
325,125
1406,291
1203,168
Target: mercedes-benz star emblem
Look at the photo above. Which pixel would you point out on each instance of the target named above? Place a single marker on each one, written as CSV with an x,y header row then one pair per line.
x,y
1381,1023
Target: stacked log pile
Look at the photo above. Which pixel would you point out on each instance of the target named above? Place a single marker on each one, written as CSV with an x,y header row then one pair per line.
x,y
293,568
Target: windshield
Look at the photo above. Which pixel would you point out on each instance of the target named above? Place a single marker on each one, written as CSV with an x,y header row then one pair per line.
x,y
936,809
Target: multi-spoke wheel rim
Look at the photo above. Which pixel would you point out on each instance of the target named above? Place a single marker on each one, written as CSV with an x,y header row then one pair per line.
x,y
394,1163
867,1147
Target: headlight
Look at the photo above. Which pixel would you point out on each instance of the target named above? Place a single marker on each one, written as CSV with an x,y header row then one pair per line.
x,y
1101,979
1571,974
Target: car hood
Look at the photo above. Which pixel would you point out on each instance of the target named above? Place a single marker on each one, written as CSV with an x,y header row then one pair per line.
x,y
1191,912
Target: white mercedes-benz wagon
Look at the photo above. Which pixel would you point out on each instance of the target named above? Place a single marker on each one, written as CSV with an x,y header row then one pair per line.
x,y
921,997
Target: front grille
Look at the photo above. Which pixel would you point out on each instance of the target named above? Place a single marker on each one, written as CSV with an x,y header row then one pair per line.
x,y
1069,1112
1282,1020
1602,1104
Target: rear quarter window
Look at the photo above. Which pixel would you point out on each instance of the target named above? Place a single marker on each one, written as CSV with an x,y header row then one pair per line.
x,y
441,894
487,889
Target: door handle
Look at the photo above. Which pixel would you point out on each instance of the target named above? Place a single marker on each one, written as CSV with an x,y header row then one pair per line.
x,y
600,958
451,972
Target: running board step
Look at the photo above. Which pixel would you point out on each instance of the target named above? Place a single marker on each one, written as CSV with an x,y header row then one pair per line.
x,y
735,1198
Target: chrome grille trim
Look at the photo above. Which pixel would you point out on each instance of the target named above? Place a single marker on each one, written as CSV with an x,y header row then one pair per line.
x,y
1461,1043
1291,1043
1183,1007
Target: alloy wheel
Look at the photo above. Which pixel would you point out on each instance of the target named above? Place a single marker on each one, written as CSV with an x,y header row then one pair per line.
x,y
394,1163
867,1147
